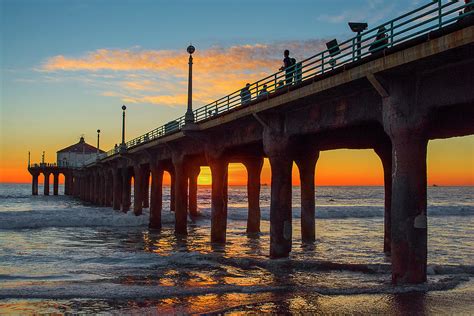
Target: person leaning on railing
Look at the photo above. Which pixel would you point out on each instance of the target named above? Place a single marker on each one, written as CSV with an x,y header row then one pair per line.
x,y
264,92
470,6
380,42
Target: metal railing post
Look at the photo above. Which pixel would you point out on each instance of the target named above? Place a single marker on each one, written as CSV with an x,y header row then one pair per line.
x,y
440,16
322,63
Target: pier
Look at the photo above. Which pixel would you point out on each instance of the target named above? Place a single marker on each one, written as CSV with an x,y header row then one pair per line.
x,y
416,87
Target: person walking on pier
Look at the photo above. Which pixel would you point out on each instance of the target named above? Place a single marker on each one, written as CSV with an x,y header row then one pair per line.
x,y
288,66
245,94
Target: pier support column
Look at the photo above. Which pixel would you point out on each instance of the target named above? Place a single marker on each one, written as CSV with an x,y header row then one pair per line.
x,y
405,121
384,151
146,186
137,190
103,185
82,186
55,183
117,188
109,188
181,194
254,169
70,182
46,183
409,223
276,146
172,191
99,189
218,166
126,189
193,187
306,165
66,183
156,201
91,184
34,184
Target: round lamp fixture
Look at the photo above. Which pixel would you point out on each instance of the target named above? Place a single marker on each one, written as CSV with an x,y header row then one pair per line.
x,y
191,49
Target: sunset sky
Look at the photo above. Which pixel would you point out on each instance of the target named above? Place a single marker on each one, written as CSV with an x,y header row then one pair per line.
x,y
68,66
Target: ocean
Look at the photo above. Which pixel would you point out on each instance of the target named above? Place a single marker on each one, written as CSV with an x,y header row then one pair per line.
x,y
59,255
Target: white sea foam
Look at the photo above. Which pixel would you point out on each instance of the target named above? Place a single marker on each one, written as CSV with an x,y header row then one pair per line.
x,y
74,217
97,217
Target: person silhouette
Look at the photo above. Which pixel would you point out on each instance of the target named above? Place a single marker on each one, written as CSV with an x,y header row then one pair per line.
x,y
380,42
245,94
288,66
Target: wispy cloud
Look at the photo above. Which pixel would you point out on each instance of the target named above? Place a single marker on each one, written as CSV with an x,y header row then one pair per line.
x,y
373,11
160,76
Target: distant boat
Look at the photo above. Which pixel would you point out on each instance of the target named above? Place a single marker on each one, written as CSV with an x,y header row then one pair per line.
x,y
434,185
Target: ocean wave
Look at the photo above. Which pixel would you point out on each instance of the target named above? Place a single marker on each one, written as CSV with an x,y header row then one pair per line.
x,y
83,216
342,211
102,290
74,217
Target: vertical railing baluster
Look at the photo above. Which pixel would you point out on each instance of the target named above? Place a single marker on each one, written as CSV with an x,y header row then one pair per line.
x,y
322,63
228,103
391,34
353,49
440,17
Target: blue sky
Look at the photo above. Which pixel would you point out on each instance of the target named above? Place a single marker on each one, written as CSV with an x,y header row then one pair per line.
x,y
67,66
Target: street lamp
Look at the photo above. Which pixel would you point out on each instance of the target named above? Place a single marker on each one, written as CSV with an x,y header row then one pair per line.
x,y
42,158
189,116
358,27
29,158
98,142
122,145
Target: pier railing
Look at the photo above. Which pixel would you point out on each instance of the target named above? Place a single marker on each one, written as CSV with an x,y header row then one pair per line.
x,y
426,18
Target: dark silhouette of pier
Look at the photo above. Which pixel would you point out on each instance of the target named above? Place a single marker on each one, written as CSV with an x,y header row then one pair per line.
x,y
392,101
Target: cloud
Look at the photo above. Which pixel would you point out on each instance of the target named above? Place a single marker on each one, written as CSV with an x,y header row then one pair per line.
x,y
160,76
373,11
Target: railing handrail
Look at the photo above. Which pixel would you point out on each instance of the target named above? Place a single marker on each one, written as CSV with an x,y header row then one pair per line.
x,y
349,51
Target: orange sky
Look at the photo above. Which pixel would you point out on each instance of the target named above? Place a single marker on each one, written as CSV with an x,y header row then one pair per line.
x,y
450,162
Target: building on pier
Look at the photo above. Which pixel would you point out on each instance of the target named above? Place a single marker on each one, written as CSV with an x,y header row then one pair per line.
x,y
76,155
69,159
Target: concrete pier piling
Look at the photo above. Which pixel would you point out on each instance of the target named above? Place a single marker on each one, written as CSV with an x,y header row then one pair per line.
x,y
34,184
384,151
254,169
181,194
126,189
138,190
46,183
117,191
306,164
194,171
55,183
218,167
156,202
276,146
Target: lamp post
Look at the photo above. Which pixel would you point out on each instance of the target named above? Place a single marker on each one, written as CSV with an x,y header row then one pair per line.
x,y
358,27
122,145
98,142
42,158
189,116
29,156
